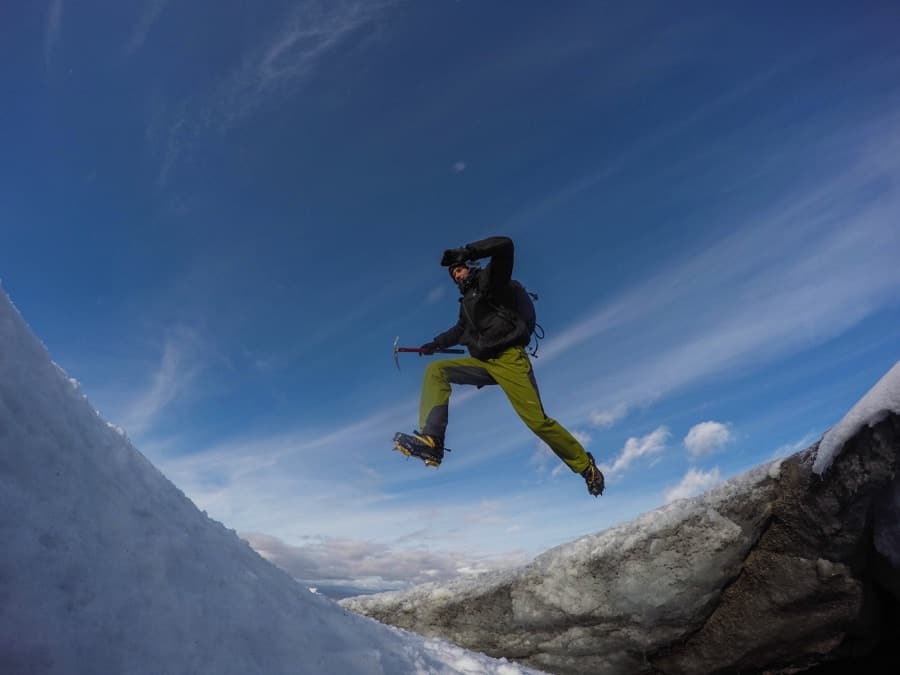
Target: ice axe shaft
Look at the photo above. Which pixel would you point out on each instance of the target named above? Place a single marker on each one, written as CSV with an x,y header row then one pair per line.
x,y
418,350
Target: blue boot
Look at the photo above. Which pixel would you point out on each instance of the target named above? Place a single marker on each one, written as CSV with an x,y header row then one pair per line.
x,y
427,448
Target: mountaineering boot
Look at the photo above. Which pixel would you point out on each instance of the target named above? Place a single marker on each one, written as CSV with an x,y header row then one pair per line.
x,y
593,477
427,448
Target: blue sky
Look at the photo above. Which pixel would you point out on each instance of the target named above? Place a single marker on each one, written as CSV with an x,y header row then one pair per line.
x,y
218,216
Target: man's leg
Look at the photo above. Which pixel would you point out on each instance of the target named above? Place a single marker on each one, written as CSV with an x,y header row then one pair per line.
x,y
513,372
434,404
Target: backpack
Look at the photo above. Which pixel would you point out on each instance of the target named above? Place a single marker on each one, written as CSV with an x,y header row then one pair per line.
x,y
523,303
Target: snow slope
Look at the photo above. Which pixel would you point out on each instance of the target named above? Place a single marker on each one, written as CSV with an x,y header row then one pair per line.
x,y
878,402
108,568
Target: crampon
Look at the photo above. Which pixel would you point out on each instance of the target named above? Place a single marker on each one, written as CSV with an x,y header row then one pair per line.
x,y
421,447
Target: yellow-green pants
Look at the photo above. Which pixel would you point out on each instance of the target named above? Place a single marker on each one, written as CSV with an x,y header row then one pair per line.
x,y
513,372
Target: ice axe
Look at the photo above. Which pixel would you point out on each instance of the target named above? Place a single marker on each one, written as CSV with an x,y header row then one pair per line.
x,y
418,350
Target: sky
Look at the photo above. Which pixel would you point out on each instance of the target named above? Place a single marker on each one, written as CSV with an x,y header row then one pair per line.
x,y
219,215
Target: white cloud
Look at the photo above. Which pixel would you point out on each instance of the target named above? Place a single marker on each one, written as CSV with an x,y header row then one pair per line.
x,y
560,469
178,366
176,141
280,466
635,448
609,416
459,167
273,70
436,294
770,301
151,13
544,459
363,563
706,438
695,482
581,436
52,29
290,56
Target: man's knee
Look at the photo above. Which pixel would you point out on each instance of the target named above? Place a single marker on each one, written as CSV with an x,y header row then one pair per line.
x,y
537,421
435,371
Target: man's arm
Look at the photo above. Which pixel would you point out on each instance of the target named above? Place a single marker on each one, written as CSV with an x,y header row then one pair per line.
x,y
449,337
501,252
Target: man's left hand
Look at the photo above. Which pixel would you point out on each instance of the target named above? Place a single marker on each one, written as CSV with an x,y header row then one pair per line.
x,y
428,348
455,256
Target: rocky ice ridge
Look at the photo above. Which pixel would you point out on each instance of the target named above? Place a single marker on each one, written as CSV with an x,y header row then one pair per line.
x,y
792,565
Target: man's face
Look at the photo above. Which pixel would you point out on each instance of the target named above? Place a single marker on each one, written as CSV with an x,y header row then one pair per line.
x,y
460,273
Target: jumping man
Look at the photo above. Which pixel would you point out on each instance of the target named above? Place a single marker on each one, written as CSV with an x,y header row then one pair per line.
x,y
496,338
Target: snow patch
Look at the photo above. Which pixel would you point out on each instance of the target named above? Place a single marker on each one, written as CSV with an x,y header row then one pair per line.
x,y
881,400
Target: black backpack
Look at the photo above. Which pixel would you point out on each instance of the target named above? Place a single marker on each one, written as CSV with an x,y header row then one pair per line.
x,y
523,301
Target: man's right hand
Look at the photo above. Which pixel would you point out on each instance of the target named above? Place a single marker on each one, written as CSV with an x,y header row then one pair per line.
x,y
428,348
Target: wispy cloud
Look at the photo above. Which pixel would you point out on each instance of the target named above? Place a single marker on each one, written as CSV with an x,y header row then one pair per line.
x,y
276,68
173,147
437,293
259,457
149,15
542,457
280,65
792,275
52,29
178,366
371,564
706,438
789,449
637,447
647,144
695,482
544,460
609,416
288,58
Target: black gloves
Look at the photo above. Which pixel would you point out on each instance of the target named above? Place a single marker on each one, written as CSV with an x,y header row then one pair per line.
x,y
428,348
455,256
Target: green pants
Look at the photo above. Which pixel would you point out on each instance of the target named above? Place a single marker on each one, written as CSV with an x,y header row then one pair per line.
x,y
513,372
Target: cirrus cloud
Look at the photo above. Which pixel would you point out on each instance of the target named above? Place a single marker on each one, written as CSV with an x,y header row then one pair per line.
x,y
609,416
636,447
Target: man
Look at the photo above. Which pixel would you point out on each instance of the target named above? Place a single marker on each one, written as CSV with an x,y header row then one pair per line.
x,y
496,337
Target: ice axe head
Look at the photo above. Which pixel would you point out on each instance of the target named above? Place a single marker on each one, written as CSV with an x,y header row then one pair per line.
x,y
418,350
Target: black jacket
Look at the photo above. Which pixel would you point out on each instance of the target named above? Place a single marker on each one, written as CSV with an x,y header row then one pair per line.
x,y
488,323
